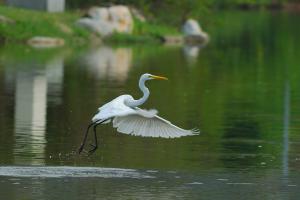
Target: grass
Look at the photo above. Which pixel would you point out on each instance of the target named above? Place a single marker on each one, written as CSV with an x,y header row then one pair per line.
x,y
29,23
144,32
144,28
131,39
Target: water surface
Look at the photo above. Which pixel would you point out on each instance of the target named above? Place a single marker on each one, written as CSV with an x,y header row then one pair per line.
x,y
242,91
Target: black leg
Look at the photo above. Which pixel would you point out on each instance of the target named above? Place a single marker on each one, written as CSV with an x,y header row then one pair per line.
x,y
85,137
95,124
95,145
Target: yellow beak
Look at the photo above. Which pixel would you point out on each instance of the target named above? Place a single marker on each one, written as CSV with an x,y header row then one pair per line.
x,y
159,77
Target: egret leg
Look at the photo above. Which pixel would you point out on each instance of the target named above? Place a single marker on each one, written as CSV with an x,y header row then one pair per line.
x,y
85,137
95,145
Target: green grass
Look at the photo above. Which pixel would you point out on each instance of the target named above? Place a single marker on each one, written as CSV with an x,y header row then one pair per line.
x,y
23,53
144,32
151,28
122,38
31,23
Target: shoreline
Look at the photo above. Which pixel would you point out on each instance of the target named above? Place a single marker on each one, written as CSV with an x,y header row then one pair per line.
x,y
26,24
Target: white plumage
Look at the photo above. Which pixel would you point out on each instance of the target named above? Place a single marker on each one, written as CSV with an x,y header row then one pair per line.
x,y
128,118
116,107
139,122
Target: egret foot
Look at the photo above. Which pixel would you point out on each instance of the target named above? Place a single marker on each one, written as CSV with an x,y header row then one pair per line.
x,y
91,151
80,148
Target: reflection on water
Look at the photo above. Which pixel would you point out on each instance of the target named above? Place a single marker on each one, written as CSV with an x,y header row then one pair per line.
x,y
30,117
106,62
238,92
286,123
40,83
191,53
54,70
34,83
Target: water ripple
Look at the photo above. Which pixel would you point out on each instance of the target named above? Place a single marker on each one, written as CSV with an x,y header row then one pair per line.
x,y
64,171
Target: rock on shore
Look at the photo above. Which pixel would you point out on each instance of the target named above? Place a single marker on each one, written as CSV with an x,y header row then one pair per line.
x,y
193,34
107,20
45,42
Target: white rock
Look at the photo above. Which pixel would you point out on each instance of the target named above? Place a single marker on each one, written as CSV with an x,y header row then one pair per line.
x,y
99,13
45,42
97,26
105,21
121,18
193,32
191,27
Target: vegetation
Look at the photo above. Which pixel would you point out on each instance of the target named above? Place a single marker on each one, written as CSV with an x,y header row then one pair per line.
x,y
30,23
145,33
166,12
174,12
237,87
163,18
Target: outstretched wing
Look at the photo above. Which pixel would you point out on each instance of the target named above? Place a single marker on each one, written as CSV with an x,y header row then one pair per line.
x,y
114,108
148,124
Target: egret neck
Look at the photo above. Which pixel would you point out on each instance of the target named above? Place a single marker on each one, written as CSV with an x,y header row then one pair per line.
x,y
143,99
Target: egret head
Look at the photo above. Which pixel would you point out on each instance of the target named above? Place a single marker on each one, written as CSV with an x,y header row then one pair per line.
x,y
148,76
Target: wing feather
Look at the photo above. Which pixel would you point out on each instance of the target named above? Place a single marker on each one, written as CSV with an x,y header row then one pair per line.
x,y
116,107
148,124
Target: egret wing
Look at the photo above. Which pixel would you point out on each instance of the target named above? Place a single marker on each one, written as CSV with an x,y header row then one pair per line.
x,y
116,107
148,124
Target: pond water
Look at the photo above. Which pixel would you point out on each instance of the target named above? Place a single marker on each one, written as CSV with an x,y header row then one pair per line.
x,y
242,91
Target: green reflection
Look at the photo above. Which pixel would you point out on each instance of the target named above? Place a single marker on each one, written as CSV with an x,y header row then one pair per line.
x,y
233,91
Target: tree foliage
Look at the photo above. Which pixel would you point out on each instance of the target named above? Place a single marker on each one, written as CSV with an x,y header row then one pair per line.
x,y
174,12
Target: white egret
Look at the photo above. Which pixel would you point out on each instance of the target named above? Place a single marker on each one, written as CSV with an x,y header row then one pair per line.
x,y
125,115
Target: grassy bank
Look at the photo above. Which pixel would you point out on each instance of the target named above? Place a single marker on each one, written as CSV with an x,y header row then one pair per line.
x,y
145,32
29,23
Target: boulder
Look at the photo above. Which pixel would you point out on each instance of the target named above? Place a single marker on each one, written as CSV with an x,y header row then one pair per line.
x,y
191,27
98,13
45,42
193,32
172,40
96,26
106,21
6,20
121,18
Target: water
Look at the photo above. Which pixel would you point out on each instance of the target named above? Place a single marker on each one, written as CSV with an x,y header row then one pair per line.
x,y
241,91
